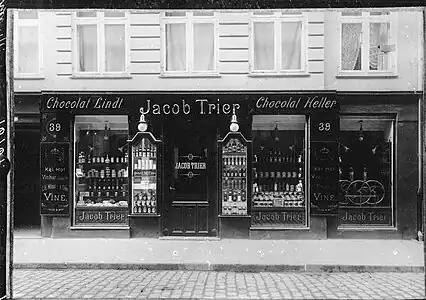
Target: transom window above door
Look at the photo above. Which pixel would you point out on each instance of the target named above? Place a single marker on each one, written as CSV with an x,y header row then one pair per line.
x,y
100,43
189,43
277,42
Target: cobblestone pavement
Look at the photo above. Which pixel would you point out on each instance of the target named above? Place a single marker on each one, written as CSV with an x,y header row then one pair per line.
x,y
126,284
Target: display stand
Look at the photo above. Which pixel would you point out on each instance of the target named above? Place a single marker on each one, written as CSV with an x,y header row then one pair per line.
x,y
234,217
144,185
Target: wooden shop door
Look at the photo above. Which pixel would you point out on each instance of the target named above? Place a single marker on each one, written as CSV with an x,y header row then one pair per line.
x,y
190,175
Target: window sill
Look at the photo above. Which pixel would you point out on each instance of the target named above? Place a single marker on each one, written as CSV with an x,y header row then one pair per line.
x,y
282,74
367,75
187,75
366,228
101,76
100,227
29,77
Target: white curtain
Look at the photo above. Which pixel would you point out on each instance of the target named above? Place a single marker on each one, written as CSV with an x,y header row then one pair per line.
x,y
87,48
263,35
28,57
204,47
291,45
379,35
115,53
175,47
351,46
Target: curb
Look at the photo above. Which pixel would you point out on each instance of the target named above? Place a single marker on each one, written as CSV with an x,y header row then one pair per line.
x,y
253,268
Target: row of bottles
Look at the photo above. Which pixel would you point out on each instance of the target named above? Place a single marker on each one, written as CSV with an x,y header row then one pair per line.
x,y
107,172
110,185
144,163
234,173
234,184
277,157
351,174
233,209
234,161
145,201
277,174
102,159
145,149
234,195
277,186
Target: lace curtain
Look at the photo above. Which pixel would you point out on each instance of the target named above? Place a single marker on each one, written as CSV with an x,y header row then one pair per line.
x,y
28,60
379,35
87,48
203,46
351,46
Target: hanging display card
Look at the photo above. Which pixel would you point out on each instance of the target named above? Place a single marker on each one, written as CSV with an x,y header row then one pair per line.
x,y
54,162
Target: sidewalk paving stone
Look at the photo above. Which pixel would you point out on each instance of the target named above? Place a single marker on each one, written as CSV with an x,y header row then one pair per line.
x,y
132,284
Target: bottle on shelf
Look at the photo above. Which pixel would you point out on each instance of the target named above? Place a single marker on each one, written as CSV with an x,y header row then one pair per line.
x,y
351,173
364,174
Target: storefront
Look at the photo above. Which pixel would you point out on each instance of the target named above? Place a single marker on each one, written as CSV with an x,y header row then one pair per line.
x,y
229,165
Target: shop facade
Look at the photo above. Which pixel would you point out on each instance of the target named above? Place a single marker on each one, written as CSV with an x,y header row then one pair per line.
x,y
293,124
292,165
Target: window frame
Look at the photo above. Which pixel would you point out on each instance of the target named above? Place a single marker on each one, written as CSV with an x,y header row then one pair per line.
x,y
189,20
100,21
279,17
365,20
27,23
74,181
393,179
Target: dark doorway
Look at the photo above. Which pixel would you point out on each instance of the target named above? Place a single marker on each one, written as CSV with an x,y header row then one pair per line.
x,y
26,180
190,177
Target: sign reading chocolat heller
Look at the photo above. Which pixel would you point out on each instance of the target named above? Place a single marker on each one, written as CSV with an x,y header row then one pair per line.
x,y
54,178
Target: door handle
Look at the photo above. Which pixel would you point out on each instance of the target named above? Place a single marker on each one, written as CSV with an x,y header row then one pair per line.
x,y
171,188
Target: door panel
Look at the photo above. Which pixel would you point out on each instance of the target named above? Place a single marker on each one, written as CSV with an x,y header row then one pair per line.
x,y
190,178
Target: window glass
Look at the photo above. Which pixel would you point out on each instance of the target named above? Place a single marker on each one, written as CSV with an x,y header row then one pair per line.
x,y
291,13
175,14
279,171
352,13
28,15
115,48
263,13
28,50
379,42
351,46
114,14
365,171
175,47
291,41
379,13
86,14
263,39
203,14
204,47
101,173
87,48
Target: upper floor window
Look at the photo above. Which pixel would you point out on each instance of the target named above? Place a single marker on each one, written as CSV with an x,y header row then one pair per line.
x,y
368,42
100,42
278,42
28,59
189,42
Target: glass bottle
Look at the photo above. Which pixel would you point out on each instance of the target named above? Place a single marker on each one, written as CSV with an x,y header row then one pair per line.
x,y
364,174
351,173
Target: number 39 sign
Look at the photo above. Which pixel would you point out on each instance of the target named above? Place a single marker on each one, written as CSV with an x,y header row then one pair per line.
x,y
324,127
54,128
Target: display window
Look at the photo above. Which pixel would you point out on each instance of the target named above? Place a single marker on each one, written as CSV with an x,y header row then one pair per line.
x,y
279,196
366,171
101,189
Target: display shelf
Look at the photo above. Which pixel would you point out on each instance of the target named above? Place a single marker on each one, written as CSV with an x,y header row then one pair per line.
x,y
233,171
144,174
